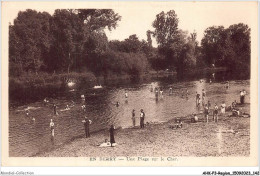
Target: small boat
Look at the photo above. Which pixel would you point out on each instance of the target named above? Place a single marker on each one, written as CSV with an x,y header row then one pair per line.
x,y
98,87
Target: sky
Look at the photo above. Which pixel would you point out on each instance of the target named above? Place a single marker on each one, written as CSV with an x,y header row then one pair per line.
x,y
137,18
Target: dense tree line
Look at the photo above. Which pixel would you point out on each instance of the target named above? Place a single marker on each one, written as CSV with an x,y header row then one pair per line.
x,y
74,40
220,47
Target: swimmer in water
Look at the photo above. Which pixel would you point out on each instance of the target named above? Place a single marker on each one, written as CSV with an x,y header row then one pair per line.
x,y
67,107
82,97
45,101
161,93
83,107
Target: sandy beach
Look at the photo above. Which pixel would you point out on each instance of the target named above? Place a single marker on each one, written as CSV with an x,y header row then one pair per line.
x,y
229,137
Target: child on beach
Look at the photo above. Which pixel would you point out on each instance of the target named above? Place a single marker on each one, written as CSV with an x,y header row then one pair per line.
x,y
194,118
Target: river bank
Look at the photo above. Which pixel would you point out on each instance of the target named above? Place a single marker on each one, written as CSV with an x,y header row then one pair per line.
x,y
194,139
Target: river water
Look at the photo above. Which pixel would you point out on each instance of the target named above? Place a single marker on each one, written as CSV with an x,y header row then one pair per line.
x,y
29,138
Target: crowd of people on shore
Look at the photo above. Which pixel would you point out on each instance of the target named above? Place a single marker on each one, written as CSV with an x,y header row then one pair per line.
x,y
200,101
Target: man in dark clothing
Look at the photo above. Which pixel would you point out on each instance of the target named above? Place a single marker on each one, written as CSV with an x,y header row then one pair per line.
x,y
133,117
112,137
142,115
87,122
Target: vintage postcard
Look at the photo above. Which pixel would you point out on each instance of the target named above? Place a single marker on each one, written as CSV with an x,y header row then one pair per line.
x,y
129,83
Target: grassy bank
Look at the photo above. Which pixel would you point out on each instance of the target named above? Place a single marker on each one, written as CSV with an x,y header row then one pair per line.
x,y
194,139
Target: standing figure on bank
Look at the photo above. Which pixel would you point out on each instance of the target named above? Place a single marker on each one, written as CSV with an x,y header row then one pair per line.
x,y
142,116
197,98
112,137
206,112
203,93
223,108
52,128
87,123
215,113
133,117
241,97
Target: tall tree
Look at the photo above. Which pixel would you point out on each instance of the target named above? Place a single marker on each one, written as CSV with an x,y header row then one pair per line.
x,y
30,39
229,48
67,32
98,19
213,44
170,39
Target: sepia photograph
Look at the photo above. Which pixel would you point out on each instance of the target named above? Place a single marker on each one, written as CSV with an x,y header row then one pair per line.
x,y
132,83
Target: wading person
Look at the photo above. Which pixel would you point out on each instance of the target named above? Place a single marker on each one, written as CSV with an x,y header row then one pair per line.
x,y
45,101
161,93
27,113
112,137
227,84
215,113
133,117
142,115
55,109
87,123
52,128
156,93
170,91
